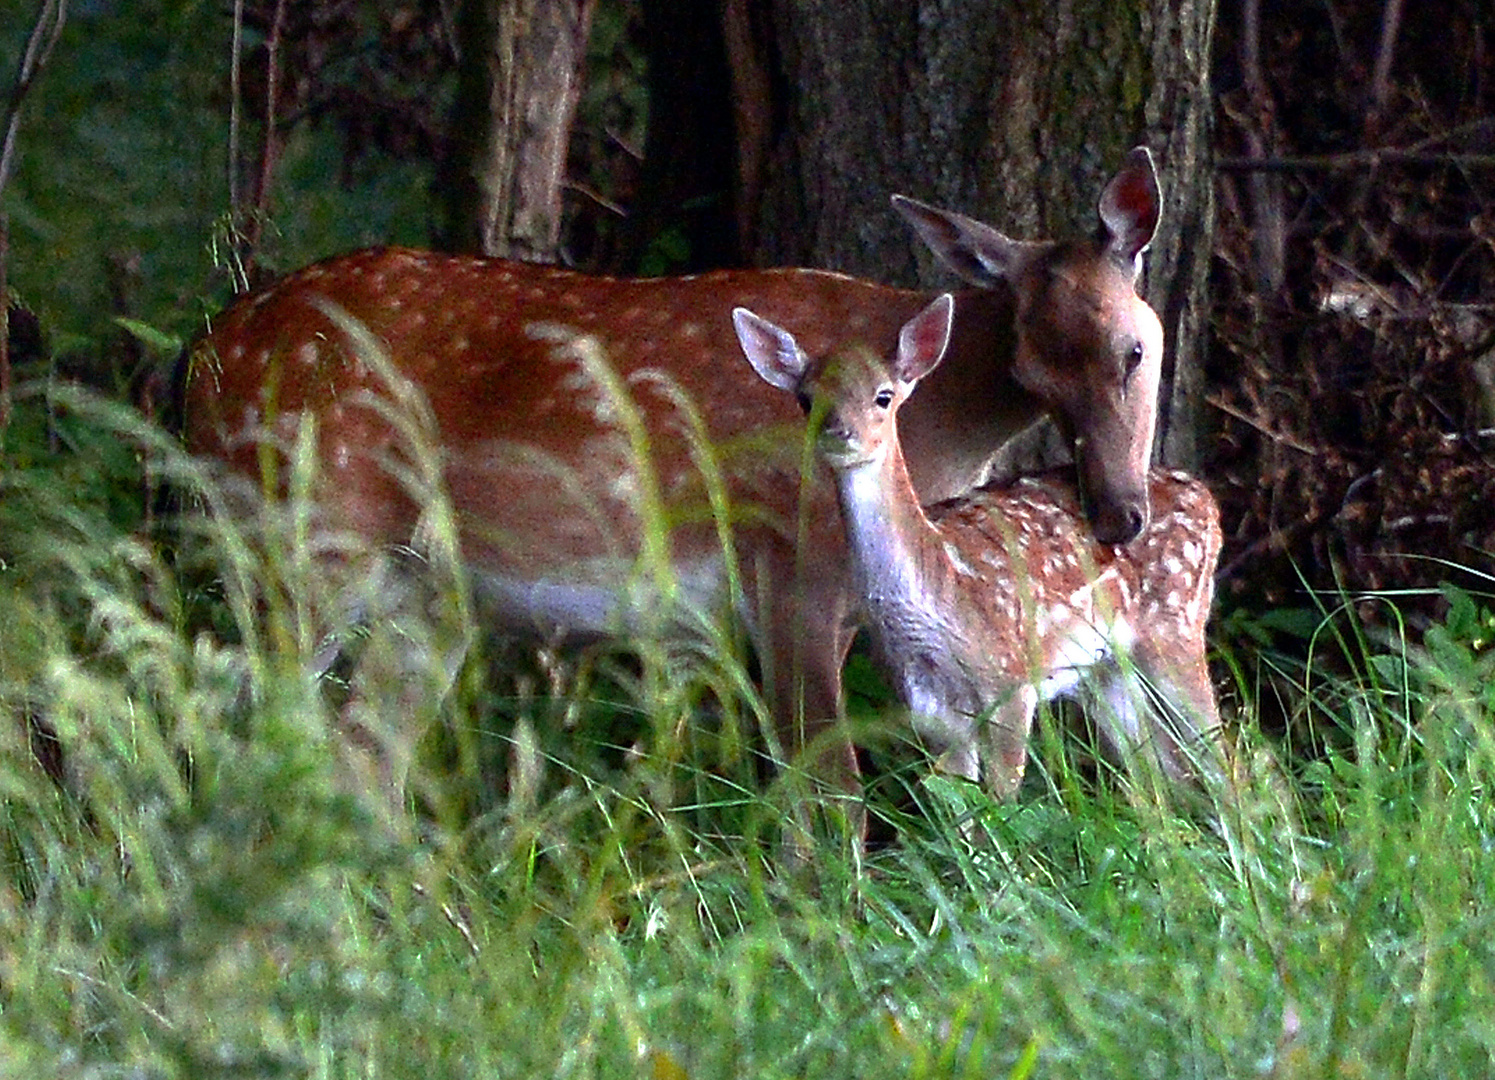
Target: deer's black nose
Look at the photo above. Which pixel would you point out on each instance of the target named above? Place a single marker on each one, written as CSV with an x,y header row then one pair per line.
x,y
1119,524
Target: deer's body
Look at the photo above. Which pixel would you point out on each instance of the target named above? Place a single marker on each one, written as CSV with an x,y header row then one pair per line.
x,y
555,478
982,606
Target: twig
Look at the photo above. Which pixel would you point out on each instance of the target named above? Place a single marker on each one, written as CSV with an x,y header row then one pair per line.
x,y
5,404
1286,440
50,20
99,984
1380,83
1268,208
233,114
269,154
1276,538
44,34
1352,159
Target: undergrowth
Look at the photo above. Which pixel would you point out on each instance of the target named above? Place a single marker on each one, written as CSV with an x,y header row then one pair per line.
x,y
585,881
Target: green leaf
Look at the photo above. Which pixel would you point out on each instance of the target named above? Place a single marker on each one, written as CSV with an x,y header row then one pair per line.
x,y
159,340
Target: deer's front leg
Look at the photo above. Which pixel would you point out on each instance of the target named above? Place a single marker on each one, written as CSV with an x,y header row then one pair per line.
x,y
804,634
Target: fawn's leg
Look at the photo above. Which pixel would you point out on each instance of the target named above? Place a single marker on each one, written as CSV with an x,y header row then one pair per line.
x,y
1004,741
1159,702
1184,724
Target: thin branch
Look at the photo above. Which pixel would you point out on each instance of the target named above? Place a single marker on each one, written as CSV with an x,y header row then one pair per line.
x,y
233,114
269,154
1380,83
44,34
5,399
1261,425
50,20
1268,210
1353,159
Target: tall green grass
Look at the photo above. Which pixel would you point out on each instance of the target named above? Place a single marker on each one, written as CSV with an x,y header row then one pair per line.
x,y
583,883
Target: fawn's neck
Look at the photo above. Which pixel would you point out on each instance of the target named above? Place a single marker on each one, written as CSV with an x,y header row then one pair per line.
x,y
896,551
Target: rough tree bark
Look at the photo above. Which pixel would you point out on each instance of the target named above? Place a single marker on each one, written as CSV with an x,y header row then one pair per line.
x,y
1009,111
522,68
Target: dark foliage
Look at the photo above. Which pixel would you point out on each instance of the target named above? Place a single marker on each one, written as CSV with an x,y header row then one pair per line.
x,y
370,72
1354,331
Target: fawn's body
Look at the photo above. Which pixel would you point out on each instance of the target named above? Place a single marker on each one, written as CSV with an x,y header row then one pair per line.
x,y
986,604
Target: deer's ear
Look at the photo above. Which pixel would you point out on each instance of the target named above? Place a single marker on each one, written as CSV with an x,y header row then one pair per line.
x,y
923,340
977,252
772,350
1130,207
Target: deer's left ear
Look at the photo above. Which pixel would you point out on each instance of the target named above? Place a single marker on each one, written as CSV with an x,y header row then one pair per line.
x,y
1130,207
923,340
772,350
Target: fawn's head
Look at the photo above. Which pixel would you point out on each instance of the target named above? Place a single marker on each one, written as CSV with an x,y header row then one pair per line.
x,y
852,394
1087,344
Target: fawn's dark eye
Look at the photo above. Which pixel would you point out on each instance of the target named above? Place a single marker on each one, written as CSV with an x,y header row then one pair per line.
x,y
884,397
1134,358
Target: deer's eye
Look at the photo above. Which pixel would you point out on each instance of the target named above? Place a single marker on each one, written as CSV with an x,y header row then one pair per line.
x,y
884,397
1134,358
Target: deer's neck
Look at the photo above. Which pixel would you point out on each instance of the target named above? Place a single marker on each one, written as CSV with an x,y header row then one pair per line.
x,y
897,555
970,405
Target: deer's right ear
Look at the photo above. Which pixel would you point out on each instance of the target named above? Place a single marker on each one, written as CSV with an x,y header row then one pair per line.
x,y
772,350
977,252
923,340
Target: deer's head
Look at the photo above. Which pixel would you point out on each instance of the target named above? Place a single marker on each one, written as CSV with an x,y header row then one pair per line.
x,y
1086,343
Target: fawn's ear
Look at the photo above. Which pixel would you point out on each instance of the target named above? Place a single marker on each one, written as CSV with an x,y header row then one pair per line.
x,y
772,350
1130,207
923,340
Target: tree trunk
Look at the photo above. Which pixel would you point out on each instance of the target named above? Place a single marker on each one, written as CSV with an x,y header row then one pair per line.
x,y
522,66
682,218
1012,112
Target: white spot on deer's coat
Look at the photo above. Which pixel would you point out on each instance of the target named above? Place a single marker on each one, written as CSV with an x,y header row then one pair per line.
x,y
962,567
306,353
1052,616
